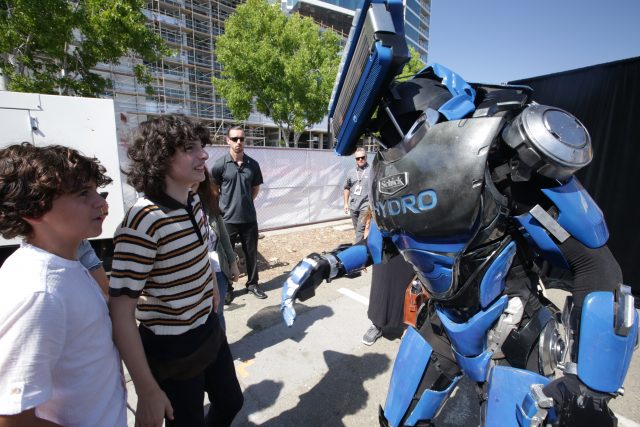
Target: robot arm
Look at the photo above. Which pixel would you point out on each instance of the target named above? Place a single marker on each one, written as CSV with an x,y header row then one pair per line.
x,y
609,321
564,225
311,271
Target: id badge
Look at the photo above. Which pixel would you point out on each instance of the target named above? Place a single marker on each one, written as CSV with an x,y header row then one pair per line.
x,y
357,190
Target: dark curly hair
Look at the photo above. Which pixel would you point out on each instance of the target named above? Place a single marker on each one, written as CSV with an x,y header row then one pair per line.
x,y
157,140
32,177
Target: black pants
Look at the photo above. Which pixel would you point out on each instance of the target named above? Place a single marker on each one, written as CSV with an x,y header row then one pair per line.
x,y
247,234
389,281
220,383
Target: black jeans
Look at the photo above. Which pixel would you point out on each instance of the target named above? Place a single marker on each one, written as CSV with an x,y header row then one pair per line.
x,y
247,234
220,383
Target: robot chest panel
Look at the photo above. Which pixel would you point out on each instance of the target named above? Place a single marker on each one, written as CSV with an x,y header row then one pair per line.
x,y
434,189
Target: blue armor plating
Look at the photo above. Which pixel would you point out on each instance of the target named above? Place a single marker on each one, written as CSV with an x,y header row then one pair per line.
x,y
476,368
405,379
435,260
353,258
492,283
429,404
437,269
411,362
539,237
507,386
473,185
374,243
461,103
468,338
579,214
613,351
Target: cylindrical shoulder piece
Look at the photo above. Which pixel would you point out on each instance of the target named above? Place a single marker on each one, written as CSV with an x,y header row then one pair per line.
x,y
551,141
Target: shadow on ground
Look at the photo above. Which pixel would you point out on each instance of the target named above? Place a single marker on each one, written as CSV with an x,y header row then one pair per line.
x,y
338,394
270,316
239,289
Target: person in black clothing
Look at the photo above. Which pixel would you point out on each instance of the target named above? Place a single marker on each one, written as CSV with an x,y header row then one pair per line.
x,y
238,178
389,281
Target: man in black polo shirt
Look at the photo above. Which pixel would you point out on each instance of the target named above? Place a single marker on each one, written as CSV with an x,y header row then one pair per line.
x,y
239,177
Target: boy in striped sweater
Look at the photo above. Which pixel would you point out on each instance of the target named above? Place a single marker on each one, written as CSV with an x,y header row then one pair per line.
x,y
162,277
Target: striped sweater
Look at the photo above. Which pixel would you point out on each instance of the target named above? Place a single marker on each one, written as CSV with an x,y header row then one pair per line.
x,y
161,257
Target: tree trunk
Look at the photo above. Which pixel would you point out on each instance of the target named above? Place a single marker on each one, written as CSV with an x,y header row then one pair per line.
x,y
296,138
285,135
4,82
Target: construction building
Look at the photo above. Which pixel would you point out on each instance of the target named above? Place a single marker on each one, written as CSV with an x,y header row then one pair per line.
x,y
181,82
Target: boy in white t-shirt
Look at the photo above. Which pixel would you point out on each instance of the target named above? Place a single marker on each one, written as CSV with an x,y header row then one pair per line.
x,y
58,363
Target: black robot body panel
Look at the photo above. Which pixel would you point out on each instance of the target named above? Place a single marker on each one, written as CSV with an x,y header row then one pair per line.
x,y
433,189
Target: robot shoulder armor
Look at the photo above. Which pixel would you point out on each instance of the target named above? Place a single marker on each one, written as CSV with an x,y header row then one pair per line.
x,y
550,141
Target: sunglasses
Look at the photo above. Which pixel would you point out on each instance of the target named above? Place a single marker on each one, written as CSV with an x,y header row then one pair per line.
x,y
237,138
361,158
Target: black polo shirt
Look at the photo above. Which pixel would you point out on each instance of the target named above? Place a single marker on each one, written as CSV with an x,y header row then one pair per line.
x,y
236,183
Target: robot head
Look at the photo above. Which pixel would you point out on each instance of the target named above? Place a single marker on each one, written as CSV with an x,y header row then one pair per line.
x,y
408,105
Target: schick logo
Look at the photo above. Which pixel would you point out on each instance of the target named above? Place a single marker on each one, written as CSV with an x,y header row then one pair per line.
x,y
424,201
392,184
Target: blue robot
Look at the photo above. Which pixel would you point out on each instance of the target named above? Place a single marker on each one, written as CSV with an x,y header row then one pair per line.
x,y
473,184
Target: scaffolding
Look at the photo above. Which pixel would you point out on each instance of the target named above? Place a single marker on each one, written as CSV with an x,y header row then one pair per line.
x,y
182,81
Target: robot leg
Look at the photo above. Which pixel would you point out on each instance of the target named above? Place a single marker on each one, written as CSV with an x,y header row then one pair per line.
x,y
424,374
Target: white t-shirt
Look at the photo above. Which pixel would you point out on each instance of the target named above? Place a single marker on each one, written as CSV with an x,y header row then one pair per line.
x,y
56,349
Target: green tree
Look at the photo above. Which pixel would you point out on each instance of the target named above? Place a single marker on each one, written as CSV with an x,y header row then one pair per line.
x,y
414,65
285,64
50,46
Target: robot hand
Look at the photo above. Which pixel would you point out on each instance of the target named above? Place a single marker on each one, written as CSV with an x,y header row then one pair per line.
x,y
301,283
577,404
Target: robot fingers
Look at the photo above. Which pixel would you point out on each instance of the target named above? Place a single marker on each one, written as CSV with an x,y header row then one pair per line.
x,y
286,307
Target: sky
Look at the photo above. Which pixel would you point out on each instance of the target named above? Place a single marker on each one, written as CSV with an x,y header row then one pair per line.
x,y
495,41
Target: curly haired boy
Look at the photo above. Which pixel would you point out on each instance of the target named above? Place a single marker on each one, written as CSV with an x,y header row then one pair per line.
x,y
57,357
161,276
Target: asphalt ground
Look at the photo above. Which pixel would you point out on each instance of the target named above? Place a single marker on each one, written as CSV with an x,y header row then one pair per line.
x,y
319,373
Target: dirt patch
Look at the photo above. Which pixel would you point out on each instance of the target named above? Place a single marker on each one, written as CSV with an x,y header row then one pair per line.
x,y
279,253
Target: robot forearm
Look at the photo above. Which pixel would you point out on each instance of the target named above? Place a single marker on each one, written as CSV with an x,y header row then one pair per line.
x,y
312,270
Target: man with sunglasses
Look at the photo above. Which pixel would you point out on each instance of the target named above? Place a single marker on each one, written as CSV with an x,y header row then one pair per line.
x,y
238,178
356,192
